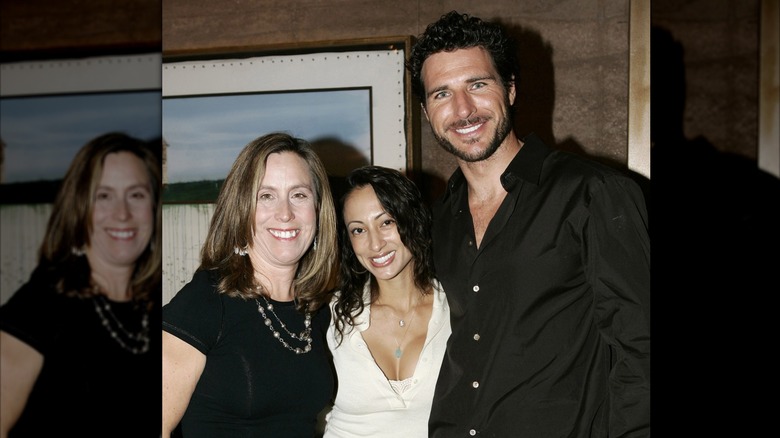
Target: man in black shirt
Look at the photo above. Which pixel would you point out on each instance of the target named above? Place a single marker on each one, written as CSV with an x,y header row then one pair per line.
x,y
545,257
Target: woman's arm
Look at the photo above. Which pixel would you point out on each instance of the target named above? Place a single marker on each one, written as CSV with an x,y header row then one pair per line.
x,y
20,366
182,365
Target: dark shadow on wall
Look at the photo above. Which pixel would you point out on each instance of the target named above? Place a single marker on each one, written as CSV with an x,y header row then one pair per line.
x,y
535,100
715,263
431,186
339,159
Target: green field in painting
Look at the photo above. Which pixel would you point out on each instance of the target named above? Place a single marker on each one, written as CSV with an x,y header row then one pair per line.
x,y
192,192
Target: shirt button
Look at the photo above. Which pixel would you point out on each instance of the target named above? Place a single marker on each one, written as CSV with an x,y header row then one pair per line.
x,y
471,243
472,432
475,384
476,336
475,288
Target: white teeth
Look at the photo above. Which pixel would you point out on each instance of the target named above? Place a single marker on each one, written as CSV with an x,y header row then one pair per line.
x,y
468,130
121,234
383,259
285,234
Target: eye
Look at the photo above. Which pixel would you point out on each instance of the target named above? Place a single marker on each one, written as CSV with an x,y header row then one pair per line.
x,y
356,231
440,95
388,222
264,196
140,194
100,196
478,85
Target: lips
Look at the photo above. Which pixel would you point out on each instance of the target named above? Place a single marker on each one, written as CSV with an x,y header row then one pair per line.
x,y
383,260
469,129
468,126
121,233
284,234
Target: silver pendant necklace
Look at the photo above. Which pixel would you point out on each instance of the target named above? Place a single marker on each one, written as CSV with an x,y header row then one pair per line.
x,y
398,351
304,336
402,320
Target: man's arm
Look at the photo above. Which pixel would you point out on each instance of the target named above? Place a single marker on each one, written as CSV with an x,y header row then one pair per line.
x,y
618,248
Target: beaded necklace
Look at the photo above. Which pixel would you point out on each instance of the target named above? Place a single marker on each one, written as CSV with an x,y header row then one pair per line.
x,y
136,343
304,336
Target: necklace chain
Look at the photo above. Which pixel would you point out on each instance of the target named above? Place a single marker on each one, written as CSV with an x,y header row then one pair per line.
x,y
402,321
303,336
136,343
398,351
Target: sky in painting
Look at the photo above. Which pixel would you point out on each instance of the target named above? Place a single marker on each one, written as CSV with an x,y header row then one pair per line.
x,y
43,133
205,133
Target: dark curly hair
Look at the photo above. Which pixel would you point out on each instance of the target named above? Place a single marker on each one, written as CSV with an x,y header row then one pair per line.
x,y
455,31
401,199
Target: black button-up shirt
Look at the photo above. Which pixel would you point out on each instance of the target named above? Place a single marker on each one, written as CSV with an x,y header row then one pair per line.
x,y
551,314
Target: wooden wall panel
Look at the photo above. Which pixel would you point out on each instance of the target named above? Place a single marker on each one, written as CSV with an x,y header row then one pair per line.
x,y
68,27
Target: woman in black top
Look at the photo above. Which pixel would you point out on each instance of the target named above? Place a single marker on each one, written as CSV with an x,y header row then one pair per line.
x,y
243,342
77,342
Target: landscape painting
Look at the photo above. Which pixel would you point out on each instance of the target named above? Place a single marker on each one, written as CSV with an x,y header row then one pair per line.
x,y
41,134
203,135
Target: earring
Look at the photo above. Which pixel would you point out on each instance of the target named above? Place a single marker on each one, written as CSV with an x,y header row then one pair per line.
x,y
314,247
78,252
352,268
239,251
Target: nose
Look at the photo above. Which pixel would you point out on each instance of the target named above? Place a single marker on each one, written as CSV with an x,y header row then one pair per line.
x,y
464,105
377,242
122,210
285,213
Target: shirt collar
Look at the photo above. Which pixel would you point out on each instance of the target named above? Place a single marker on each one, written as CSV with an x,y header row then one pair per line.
x,y
527,165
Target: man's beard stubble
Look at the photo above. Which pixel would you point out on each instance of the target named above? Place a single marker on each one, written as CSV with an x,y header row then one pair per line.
x,y
502,130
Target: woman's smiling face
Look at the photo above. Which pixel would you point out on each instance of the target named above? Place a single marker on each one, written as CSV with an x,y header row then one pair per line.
x,y
123,212
286,212
374,235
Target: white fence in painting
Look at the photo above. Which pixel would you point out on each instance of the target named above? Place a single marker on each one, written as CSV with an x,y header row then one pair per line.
x,y
23,226
21,232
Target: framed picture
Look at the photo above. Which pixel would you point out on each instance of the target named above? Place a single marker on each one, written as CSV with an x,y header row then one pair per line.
x,y
350,99
50,109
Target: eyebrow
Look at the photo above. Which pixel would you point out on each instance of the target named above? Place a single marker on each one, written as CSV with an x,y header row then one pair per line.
x,y
383,213
144,186
297,186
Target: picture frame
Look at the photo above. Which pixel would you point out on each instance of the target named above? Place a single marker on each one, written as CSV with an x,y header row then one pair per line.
x,y
351,99
292,71
50,108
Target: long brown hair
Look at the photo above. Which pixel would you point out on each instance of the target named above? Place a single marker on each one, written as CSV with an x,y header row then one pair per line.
x,y
70,223
232,224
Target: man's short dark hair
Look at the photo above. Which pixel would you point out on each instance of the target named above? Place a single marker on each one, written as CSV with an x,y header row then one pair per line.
x,y
455,31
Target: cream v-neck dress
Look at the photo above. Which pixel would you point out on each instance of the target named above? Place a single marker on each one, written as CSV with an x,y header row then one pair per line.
x,y
366,404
